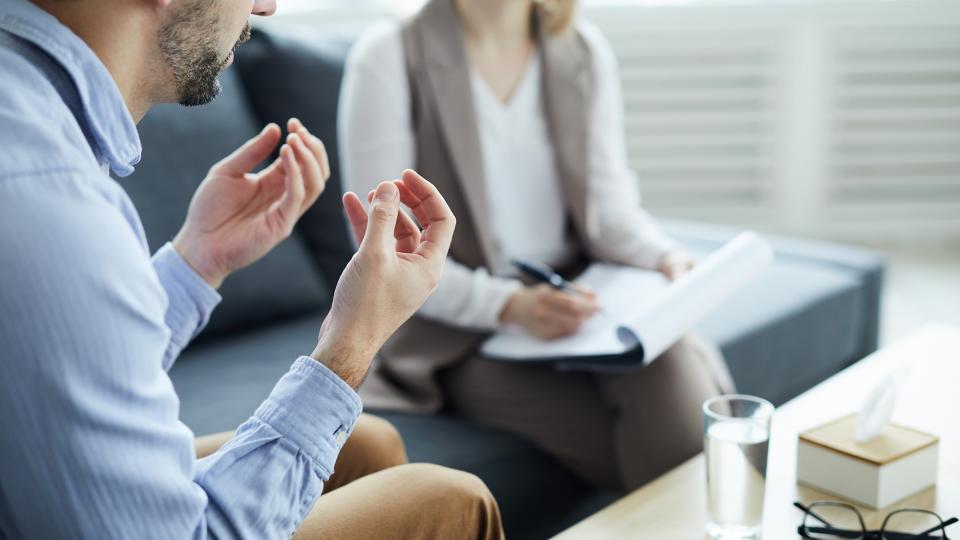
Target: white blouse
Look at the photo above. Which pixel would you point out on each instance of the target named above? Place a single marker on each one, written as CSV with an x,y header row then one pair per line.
x,y
525,202
519,167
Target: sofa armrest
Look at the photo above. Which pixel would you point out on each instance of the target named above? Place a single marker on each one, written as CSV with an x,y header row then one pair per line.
x,y
866,265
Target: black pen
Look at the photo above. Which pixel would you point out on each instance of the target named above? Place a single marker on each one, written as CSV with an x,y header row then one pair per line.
x,y
544,274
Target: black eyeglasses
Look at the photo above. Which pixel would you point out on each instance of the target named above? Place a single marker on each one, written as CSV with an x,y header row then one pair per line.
x,y
828,520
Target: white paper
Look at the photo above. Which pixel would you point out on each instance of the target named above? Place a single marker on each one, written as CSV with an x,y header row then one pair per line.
x,y
639,307
692,297
618,289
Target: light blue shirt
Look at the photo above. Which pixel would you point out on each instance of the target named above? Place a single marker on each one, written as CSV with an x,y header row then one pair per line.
x,y
90,441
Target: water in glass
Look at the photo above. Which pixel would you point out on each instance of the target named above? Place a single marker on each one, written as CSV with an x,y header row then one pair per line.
x,y
736,455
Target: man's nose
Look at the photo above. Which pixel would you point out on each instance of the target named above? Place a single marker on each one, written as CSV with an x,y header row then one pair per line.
x,y
264,8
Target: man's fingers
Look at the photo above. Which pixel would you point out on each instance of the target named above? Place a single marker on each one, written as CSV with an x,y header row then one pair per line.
x,y
252,153
287,209
382,218
316,146
435,216
270,183
313,180
407,233
319,151
356,215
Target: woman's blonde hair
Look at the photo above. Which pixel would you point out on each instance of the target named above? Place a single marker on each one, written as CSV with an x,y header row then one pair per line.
x,y
556,16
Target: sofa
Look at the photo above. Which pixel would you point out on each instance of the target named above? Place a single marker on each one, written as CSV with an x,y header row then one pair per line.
x,y
813,313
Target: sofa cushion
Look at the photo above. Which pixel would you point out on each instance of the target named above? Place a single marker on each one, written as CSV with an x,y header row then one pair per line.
x,y
180,145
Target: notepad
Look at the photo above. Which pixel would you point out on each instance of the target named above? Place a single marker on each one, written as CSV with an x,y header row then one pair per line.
x,y
642,313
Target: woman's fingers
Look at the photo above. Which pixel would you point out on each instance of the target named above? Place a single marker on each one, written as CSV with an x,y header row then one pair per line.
x,y
584,290
571,305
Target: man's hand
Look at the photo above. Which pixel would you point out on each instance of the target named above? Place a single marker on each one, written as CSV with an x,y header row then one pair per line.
x,y
389,277
547,313
675,263
236,217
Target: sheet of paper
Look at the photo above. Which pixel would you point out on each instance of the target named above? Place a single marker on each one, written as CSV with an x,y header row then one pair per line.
x,y
659,324
641,308
618,290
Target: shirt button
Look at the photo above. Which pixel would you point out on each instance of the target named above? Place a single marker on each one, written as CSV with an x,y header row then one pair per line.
x,y
340,436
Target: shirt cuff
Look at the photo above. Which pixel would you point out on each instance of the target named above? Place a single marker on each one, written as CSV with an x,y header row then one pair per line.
x,y
651,255
190,299
496,292
314,409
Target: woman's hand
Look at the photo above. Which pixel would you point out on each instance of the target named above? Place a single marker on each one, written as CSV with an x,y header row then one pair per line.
x,y
675,263
237,217
548,313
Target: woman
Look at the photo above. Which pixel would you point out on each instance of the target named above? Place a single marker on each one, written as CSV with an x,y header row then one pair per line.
x,y
516,113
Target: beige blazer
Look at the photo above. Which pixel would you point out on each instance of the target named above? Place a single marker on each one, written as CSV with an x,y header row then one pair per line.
x,y
449,154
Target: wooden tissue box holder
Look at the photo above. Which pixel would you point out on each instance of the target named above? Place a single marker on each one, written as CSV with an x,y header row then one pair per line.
x,y
895,464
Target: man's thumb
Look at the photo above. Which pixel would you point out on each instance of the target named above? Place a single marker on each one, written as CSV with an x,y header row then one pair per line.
x,y
384,210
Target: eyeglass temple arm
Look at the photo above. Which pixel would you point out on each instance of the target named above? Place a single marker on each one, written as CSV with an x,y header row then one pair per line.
x,y
942,525
811,512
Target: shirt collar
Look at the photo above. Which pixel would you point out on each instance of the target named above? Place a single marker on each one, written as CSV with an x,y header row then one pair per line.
x,y
113,131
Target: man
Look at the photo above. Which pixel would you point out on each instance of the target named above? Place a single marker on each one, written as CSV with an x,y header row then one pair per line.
x,y
90,442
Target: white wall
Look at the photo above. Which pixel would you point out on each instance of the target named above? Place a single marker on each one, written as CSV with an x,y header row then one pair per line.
x,y
837,119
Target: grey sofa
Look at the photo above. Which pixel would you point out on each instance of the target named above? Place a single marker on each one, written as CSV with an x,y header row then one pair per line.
x,y
815,312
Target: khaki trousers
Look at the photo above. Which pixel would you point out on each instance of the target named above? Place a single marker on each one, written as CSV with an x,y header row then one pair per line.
x,y
375,494
616,431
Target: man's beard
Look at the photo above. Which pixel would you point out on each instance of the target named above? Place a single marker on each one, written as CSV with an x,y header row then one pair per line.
x,y
189,48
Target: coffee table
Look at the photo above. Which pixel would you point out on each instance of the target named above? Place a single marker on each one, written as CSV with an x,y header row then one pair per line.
x,y
674,506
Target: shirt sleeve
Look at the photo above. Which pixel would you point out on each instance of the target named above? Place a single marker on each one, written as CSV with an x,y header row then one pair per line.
x,y
91,441
190,300
626,232
377,142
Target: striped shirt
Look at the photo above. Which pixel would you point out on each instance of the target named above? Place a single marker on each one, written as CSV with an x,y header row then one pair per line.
x,y
90,441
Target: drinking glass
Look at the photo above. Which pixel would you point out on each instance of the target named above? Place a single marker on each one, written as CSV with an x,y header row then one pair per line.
x,y
736,436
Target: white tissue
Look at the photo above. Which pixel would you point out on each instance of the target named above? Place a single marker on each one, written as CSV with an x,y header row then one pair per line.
x,y
878,407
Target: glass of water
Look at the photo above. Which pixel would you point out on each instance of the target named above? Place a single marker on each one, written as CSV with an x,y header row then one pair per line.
x,y
736,436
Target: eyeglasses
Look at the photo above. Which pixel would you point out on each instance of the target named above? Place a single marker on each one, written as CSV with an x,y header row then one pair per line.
x,y
828,520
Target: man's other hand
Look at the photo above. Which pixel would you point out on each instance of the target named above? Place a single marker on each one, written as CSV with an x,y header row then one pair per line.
x,y
236,217
393,272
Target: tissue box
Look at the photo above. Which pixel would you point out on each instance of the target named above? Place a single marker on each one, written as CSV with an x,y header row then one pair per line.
x,y
895,464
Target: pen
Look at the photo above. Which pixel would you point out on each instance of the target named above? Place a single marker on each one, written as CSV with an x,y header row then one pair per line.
x,y
544,274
